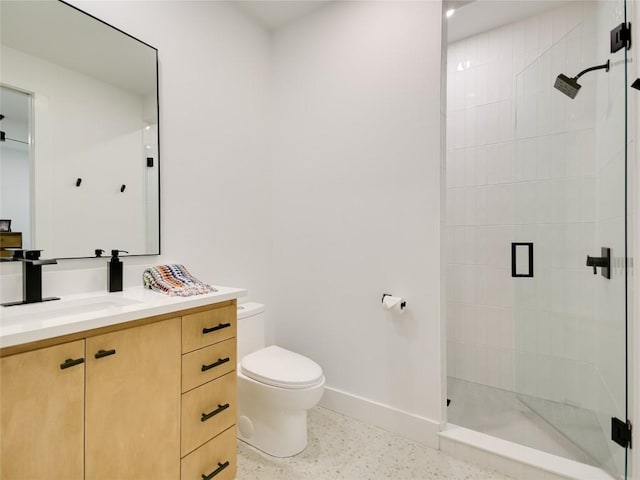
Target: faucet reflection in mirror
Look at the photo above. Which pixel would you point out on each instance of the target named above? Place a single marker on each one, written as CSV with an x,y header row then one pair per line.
x,y
31,276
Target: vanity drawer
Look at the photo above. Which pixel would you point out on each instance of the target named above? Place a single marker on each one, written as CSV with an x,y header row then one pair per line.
x,y
202,366
207,411
208,327
218,455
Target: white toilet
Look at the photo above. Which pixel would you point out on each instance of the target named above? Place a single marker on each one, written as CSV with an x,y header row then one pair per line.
x,y
276,387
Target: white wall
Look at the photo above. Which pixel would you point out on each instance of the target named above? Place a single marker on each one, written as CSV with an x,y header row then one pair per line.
x,y
356,203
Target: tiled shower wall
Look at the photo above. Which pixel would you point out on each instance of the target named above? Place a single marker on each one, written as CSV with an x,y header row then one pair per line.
x,y
521,167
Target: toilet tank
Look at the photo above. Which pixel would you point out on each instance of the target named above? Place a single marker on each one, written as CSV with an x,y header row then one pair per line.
x,y
251,329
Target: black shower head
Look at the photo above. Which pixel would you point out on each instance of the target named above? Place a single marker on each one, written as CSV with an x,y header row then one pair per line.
x,y
570,86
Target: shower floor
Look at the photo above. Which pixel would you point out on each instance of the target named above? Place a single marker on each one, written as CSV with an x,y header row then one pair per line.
x,y
501,414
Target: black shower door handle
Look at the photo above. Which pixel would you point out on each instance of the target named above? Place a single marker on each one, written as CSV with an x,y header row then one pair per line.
x,y
516,252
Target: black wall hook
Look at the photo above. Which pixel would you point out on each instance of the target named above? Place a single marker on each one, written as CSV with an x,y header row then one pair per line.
x,y
123,188
78,182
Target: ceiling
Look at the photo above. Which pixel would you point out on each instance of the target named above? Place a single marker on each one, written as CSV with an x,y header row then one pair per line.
x,y
471,17
482,15
273,14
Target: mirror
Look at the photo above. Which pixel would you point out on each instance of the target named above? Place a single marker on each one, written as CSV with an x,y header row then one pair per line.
x,y
79,167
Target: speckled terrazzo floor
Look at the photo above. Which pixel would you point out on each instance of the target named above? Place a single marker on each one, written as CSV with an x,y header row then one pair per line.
x,y
341,448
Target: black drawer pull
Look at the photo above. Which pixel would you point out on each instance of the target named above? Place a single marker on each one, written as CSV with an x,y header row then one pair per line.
x,y
105,353
207,416
215,364
220,326
70,362
221,466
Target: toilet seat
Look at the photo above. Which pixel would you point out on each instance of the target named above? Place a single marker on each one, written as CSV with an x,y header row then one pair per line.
x,y
282,368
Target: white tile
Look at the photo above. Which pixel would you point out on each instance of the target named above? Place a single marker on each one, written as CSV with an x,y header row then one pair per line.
x,y
518,33
574,191
455,129
532,34
471,51
572,153
480,205
544,202
493,81
493,123
558,112
454,322
482,46
507,121
469,127
469,178
498,245
559,25
557,153
493,164
525,195
506,154
482,78
455,90
506,41
545,26
543,159
494,44
453,170
525,160
505,78
587,139
482,127
588,199
470,85
481,165
468,245
544,113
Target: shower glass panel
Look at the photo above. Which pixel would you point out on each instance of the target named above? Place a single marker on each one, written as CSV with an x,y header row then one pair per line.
x,y
570,324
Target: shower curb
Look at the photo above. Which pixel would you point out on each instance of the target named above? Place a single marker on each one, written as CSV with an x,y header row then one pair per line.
x,y
511,459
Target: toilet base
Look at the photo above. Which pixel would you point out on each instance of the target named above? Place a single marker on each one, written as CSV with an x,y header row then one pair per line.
x,y
279,434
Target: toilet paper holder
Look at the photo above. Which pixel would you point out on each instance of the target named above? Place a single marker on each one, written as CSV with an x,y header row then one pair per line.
x,y
403,303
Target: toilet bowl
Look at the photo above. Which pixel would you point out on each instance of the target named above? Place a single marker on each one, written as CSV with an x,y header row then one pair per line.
x,y
276,387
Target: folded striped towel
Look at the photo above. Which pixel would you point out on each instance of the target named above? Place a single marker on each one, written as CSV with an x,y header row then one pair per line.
x,y
174,280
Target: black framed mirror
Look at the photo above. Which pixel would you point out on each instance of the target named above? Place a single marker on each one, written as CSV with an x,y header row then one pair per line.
x,y
83,142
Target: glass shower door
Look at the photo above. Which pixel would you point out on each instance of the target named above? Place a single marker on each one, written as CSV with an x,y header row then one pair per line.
x,y
570,318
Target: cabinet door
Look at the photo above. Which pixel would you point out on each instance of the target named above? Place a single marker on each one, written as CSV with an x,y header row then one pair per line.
x,y
133,403
42,414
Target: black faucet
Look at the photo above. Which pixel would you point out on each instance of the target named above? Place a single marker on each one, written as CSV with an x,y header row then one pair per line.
x,y
31,276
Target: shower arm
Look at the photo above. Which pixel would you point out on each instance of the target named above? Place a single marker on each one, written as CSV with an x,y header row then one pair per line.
x,y
590,69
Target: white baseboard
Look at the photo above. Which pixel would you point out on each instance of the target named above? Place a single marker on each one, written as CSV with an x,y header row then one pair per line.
x,y
420,429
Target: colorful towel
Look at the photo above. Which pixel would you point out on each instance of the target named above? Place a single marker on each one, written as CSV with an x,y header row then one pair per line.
x,y
174,280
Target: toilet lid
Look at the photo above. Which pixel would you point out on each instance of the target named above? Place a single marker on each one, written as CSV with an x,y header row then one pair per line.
x,y
281,368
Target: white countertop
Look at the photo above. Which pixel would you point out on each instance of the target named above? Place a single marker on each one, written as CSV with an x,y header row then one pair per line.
x,y
77,313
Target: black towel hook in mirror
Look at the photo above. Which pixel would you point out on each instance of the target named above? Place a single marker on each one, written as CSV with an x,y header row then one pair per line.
x,y
78,182
122,188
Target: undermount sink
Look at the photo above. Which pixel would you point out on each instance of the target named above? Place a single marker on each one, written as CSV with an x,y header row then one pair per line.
x,y
40,312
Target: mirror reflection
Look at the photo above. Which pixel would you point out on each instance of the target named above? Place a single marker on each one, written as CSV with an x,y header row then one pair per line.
x,y
79,166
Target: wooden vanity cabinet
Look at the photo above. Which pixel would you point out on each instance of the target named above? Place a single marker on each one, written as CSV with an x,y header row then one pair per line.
x,y
128,402
42,414
132,407
209,394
